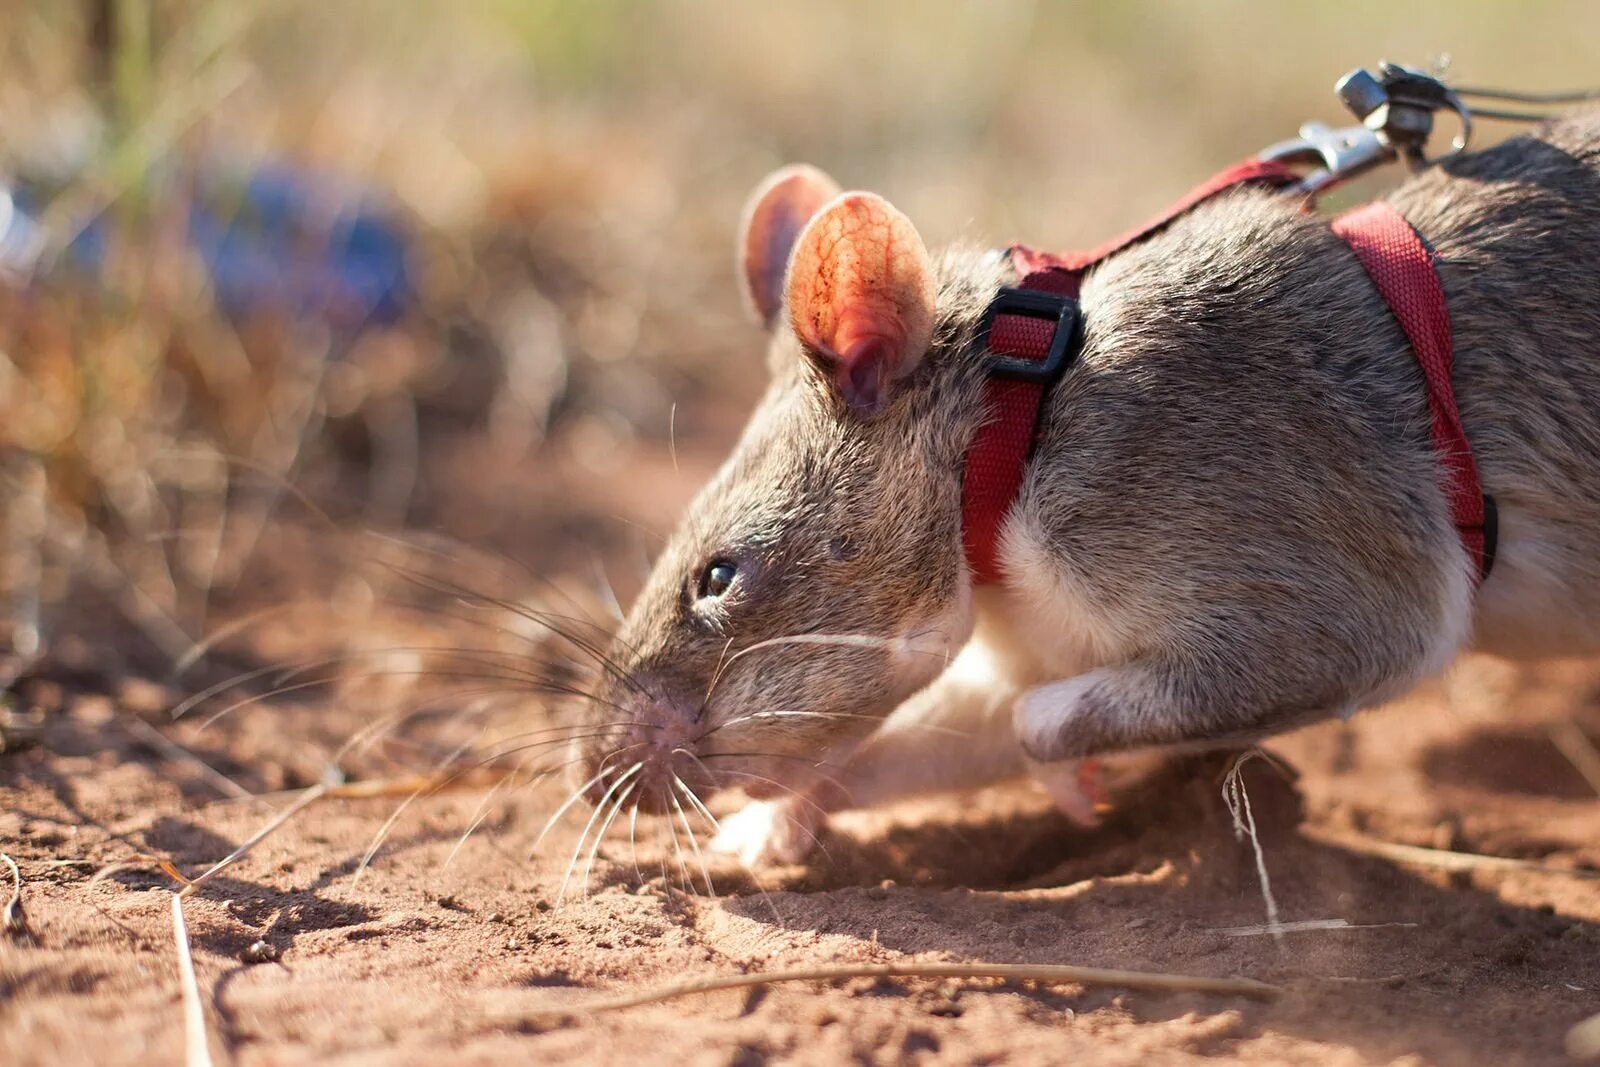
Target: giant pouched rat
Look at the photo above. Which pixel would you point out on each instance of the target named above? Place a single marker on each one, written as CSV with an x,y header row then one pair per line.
x,y
1233,522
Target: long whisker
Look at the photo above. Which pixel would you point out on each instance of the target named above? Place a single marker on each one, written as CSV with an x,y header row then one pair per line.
x,y
605,827
633,841
716,827
797,794
514,683
810,764
428,785
899,644
677,850
694,844
577,794
539,618
479,814
449,555
758,715
843,789
598,808
716,675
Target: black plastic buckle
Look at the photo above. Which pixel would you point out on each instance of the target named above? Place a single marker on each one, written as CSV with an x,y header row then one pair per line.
x,y
1037,304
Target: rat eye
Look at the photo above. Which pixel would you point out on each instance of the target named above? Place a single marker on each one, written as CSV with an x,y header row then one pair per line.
x,y
718,578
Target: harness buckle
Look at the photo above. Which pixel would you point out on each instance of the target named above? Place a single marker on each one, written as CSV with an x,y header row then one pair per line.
x,y
1034,304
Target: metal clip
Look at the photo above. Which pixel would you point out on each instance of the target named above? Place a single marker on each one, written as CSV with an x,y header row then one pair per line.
x,y
1398,105
1341,153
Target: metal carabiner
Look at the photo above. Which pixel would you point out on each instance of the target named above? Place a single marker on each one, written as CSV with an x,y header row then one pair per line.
x,y
1337,154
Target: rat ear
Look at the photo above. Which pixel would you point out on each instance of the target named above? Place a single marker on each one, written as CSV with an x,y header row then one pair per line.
x,y
773,217
861,297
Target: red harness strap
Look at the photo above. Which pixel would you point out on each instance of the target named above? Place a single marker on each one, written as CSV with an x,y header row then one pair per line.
x,y
1033,331
1402,268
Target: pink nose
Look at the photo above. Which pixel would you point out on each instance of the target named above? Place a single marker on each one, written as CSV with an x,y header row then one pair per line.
x,y
637,762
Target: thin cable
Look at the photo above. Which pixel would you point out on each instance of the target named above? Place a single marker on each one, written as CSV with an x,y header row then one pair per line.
x,y
1510,116
1574,97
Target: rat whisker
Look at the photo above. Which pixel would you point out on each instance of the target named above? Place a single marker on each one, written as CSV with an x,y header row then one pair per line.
x,y
547,582
605,827
696,802
577,794
285,690
383,831
375,731
844,791
705,873
797,794
716,827
568,732
513,684
677,850
759,715
598,808
633,841
901,644
531,615
716,675
481,812
814,765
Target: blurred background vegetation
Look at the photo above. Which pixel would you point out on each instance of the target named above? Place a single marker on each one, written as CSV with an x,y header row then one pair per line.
x,y
466,266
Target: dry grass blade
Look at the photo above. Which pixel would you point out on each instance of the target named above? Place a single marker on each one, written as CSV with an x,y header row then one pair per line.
x,y
1244,825
179,754
1579,750
13,922
1301,926
196,1048
1053,974
306,798
1439,858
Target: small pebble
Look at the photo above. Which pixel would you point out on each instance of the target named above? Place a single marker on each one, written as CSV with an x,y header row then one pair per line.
x,y
258,952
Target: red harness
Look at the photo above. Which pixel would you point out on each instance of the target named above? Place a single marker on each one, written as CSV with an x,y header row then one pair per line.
x,y
1034,331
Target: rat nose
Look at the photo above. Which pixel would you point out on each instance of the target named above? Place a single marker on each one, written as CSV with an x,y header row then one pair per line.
x,y
636,761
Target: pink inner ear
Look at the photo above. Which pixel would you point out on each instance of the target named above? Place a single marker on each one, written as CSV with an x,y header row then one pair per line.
x,y
774,218
861,296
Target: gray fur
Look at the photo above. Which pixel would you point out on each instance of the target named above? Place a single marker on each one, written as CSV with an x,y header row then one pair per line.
x,y
1235,486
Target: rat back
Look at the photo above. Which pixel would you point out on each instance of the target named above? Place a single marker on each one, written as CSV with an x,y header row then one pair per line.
x,y
1236,500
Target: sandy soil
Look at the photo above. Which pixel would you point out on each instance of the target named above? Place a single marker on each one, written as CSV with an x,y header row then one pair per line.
x,y
417,958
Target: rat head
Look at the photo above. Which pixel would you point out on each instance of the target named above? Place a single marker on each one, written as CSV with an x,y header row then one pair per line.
x,y
819,579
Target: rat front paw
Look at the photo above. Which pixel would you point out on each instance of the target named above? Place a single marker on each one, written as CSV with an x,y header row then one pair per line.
x,y
769,833
1075,785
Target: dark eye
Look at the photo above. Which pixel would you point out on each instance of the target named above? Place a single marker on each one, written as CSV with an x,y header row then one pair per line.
x,y
718,578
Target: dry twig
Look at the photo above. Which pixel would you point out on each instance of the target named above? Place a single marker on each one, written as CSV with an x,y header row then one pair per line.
x,y
306,799
1054,974
197,1050
1579,750
1439,858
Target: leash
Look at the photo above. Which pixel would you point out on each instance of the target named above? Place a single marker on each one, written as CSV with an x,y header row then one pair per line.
x,y
1034,330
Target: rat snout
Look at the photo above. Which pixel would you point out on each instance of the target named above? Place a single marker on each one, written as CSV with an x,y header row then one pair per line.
x,y
645,759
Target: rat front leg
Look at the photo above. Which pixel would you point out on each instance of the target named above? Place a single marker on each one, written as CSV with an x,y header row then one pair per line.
x,y
1147,703
956,734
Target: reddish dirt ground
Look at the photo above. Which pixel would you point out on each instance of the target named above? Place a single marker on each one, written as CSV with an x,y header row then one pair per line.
x,y
419,957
